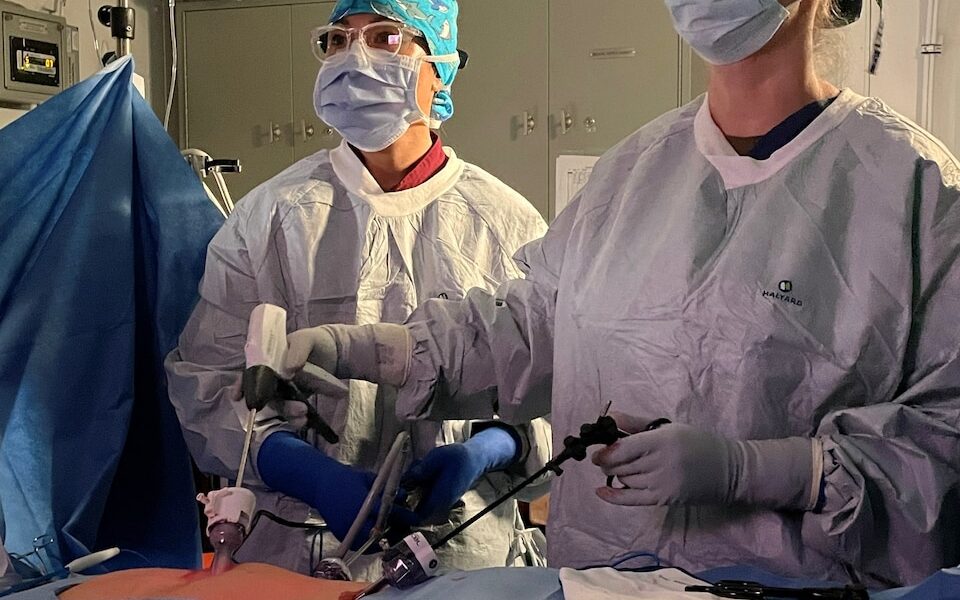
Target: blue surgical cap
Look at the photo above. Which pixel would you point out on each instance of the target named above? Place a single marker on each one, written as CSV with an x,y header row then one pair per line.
x,y
437,19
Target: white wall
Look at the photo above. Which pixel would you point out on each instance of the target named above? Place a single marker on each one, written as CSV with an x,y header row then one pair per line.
x,y
946,97
898,80
147,46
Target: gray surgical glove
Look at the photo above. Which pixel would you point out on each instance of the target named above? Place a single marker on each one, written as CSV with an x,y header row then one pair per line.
x,y
379,353
678,464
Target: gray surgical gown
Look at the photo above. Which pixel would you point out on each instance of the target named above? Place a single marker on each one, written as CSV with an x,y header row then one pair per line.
x,y
323,241
816,293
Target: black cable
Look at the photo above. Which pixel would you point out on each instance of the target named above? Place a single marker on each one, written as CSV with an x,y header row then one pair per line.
x,y
279,520
490,507
276,519
146,562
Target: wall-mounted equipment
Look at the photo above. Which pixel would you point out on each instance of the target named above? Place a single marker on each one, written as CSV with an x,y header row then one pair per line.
x,y
40,55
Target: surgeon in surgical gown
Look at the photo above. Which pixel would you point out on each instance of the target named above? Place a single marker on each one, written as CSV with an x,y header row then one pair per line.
x,y
325,241
781,282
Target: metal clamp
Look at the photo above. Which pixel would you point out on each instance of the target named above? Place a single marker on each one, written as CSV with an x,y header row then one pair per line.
x,y
121,20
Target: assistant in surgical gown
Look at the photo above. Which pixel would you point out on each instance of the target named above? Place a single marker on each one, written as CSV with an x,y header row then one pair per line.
x,y
815,293
323,241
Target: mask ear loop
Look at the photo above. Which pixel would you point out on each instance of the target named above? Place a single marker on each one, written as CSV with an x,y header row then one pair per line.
x,y
418,62
453,57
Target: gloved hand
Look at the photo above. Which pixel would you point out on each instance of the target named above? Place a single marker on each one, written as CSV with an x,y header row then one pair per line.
x,y
293,467
678,464
315,345
379,353
446,473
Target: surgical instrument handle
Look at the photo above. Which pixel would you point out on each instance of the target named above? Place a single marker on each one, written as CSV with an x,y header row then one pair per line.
x,y
91,560
656,424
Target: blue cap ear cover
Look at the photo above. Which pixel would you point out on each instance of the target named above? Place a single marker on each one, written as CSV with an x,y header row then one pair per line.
x,y
846,12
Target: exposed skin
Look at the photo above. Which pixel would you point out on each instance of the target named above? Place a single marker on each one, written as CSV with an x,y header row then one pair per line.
x,y
391,164
775,82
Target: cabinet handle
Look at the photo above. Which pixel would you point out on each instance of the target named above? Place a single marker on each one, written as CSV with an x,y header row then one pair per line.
x,y
566,122
306,130
529,123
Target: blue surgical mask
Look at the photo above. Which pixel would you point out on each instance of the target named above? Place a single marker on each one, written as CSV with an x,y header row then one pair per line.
x,y
370,101
726,31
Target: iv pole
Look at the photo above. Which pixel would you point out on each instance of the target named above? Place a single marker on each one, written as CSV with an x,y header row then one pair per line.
x,y
121,19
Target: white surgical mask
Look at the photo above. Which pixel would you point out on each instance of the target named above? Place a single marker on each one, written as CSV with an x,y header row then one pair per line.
x,y
726,31
371,100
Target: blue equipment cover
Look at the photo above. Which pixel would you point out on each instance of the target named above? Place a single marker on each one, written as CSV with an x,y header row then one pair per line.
x,y
103,230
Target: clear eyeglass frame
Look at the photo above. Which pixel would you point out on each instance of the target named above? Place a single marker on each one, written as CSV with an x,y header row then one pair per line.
x,y
382,39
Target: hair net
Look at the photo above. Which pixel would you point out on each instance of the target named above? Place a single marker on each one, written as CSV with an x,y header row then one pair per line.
x,y
437,19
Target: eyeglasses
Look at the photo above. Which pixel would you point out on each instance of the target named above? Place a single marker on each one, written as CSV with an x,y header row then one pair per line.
x,y
384,38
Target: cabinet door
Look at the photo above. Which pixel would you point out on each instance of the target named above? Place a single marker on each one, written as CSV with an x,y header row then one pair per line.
x,y
310,133
694,74
946,82
237,84
609,75
504,86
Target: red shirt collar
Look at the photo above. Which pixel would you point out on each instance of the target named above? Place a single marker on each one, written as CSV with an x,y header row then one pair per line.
x,y
425,168
428,166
